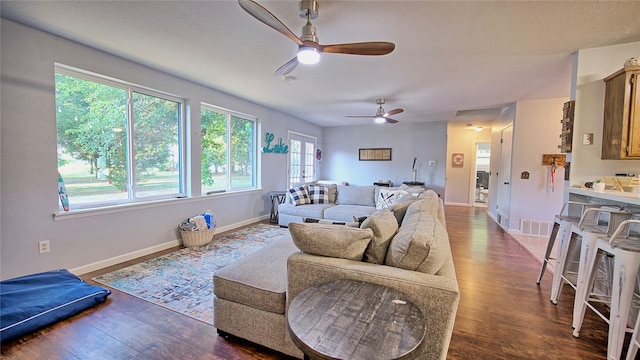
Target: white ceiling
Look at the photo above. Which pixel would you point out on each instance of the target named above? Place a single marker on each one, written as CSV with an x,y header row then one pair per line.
x,y
450,56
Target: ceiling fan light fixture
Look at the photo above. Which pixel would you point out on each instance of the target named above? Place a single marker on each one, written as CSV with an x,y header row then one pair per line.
x,y
478,129
380,120
308,55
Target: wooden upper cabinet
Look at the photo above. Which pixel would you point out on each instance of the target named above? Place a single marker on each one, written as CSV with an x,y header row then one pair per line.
x,y
621,125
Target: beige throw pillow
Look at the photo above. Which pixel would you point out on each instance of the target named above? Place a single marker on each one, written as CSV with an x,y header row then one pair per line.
x,y
329,240
384,225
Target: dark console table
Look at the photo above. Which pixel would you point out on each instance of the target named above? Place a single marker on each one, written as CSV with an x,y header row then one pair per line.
x,y
277,198
414,183
354,320
384,184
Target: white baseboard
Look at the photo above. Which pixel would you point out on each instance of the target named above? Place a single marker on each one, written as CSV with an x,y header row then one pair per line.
x,y
122,258
457,204
492,217
80,270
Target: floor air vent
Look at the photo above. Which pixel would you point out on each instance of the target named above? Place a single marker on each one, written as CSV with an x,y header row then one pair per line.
x,y
536,227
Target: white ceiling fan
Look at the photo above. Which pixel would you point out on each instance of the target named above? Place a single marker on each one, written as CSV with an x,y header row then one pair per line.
x,y
381,116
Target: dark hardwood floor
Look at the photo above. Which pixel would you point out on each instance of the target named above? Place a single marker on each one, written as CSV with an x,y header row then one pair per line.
x,y
502,314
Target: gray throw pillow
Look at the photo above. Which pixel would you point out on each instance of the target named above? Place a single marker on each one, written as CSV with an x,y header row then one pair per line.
x,y
421,244
384,225
400,208
328,240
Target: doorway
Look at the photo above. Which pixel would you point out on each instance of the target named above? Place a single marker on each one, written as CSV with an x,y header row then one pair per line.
x,y
482,168
302,150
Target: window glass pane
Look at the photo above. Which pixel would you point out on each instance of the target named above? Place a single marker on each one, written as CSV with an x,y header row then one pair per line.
x,y
295,150
213,139
309,161
116,144
157,156
91,121
242,153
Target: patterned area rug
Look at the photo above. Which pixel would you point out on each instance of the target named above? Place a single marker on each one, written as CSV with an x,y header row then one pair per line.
x,y
183,280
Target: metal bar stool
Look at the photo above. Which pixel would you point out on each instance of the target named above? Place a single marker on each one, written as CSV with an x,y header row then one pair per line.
x,y
569,247
561,223
625,248
589,234
634,344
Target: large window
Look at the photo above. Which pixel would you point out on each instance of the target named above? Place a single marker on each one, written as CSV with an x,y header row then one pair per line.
x,y
228,142
117,143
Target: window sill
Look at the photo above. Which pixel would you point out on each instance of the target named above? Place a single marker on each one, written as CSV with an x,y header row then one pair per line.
x,y
80,213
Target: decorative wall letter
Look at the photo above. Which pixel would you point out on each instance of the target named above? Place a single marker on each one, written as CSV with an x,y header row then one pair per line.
x,y
279,148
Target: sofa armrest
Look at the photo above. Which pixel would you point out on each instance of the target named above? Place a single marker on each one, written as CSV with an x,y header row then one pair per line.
x,y
437,296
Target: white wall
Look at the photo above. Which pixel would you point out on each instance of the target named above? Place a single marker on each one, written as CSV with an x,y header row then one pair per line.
x,y
461,179
426,141
29,164
536,132
593,65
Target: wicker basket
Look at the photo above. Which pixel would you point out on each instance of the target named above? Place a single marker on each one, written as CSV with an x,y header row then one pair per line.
x,y
197,238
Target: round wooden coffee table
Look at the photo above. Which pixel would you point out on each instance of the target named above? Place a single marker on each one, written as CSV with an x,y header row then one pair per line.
x,y
349,319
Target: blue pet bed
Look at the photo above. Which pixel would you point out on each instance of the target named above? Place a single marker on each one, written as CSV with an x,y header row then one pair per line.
x,y
31,302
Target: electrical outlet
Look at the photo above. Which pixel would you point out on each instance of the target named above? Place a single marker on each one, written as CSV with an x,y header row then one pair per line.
x,y
432,163
44,246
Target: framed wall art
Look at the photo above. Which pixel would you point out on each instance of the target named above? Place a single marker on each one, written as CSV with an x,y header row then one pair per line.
x,y
457,160
375,154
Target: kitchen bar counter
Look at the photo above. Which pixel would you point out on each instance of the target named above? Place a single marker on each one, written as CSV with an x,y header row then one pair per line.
x,y
608,196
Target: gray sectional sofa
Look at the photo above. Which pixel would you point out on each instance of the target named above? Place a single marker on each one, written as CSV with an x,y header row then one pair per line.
x,y
405,247
344,203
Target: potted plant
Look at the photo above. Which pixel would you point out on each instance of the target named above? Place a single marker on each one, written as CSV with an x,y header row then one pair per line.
x,y
598,185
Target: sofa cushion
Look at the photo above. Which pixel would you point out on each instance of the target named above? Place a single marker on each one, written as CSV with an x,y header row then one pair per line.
x,y
356,195
300,195
413,189
384,225
309,210
334,241
259,279
347,212
421,243
319,194
400,208
429,205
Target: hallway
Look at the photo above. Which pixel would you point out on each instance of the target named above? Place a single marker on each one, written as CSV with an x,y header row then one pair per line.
x,y
503,314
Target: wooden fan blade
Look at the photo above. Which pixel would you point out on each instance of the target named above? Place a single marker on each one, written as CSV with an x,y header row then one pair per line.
x,y
265,16
361,116
390,120
288,67
365,48
393,112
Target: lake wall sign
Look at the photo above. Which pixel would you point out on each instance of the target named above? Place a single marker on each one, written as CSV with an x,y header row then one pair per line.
x,y
279,148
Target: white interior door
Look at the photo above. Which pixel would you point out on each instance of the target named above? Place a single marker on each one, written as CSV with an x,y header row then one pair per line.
x,y
504,177
302,151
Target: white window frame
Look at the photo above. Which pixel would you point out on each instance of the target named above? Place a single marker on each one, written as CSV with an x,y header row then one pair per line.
x,y
130,88
254,166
